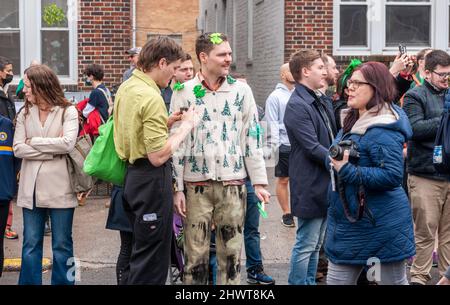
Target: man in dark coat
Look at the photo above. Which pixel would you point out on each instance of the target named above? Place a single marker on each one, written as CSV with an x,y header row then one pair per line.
x,y
7,107
428,190
310,126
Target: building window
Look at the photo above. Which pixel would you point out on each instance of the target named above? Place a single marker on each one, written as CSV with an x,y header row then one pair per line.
x,y
365,27
177,37
408,23
10,32
42,30
55,36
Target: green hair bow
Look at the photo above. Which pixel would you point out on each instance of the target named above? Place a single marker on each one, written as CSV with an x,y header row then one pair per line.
x,y
351,67
215,38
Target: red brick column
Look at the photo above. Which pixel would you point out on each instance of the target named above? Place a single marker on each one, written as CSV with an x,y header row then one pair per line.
x,y
308,24
104,34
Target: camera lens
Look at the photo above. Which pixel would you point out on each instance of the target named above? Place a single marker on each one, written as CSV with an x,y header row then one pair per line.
x,y
334,151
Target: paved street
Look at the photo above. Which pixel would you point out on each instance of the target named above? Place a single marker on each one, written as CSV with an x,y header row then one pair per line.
x,y
97,248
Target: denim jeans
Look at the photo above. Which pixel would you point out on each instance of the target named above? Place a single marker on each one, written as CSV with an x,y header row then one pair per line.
x,y
251,229
305,254
62,246
389,274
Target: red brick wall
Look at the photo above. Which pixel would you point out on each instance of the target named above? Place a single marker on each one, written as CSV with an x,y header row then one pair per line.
x,y
104,34
308,24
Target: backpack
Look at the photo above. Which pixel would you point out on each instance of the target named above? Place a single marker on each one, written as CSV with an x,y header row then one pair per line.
x,y
110,102
441,152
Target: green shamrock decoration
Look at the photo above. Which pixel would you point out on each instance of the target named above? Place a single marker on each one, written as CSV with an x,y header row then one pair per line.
x,y
230,80
178,86
215,38
53,15
199,91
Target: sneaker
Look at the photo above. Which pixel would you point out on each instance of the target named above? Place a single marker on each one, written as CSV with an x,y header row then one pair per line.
x,y
10,234
288,220
257,276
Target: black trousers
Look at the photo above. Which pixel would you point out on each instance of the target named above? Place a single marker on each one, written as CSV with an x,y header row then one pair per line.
x,y
4,210
148,203
123,260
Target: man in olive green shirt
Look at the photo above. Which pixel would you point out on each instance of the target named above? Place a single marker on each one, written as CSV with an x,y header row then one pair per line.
x,y
141,138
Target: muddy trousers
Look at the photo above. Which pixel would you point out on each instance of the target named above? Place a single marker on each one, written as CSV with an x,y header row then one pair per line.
x,y
148,203
225,207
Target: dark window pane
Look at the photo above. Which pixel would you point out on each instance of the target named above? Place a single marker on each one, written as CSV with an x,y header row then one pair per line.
x,y
9,14
55,51
408,24
10,48
47,5
353,25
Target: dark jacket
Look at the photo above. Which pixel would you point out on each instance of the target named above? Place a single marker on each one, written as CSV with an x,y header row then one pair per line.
x,y
310,140
403,85
7,107
424,106
8,164
388,234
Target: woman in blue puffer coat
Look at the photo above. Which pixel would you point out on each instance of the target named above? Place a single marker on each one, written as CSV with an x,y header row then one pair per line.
x,y
381,231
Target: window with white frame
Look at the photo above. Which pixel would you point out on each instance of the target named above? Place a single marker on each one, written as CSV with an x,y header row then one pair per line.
x,y
10,32
42,30
365,27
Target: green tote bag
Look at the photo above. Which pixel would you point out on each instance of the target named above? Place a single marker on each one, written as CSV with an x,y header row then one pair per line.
x,y
102,161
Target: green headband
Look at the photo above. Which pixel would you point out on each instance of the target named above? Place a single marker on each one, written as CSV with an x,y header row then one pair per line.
x,y
351,67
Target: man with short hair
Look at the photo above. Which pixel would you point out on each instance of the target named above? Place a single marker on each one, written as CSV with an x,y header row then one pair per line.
x,y
133,57
310,126
141,139
428,190
99,98
278,139
184,73
329,89
212,166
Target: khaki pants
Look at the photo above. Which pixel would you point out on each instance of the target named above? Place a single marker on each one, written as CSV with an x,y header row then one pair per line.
x,y
430,200
225,207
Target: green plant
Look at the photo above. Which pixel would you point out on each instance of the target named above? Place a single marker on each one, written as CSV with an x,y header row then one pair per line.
x,y
53,15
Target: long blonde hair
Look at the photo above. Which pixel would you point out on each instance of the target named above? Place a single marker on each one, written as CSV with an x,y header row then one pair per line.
x,y
45,87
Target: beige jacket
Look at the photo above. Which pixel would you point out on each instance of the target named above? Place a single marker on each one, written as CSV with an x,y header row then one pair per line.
x,y
44,168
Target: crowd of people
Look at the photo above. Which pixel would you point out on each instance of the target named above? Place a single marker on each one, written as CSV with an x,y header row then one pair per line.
x,y
354,164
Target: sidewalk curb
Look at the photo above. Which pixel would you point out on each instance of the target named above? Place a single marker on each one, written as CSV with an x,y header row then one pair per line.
x,y
14,264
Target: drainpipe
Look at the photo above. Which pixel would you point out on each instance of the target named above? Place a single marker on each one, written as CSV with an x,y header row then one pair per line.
x,y
134,23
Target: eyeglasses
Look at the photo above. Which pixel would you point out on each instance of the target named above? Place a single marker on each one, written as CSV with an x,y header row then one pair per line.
x,y
355,83
442,74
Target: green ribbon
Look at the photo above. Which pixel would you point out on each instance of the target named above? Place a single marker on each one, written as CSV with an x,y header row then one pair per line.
x,y
216,38
199,91
178,86
351,67
230,80
261,210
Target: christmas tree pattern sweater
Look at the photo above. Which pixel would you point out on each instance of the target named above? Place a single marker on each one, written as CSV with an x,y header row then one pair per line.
x,y
227,144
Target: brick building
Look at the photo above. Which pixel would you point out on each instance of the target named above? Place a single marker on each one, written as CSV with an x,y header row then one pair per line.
x,y
89,31
264,34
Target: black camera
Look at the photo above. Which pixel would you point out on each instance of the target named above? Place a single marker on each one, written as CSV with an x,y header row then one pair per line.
x,y
337,150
